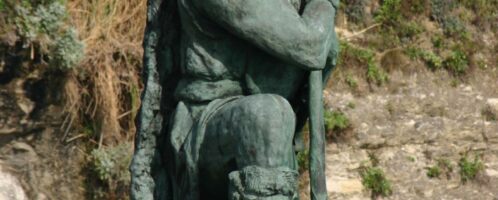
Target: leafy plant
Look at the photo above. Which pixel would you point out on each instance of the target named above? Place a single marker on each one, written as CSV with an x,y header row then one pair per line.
x,y
364,57
336,121
351,81
2,5
374,179
303,160
442,167
432,60
469,169
389,12
409,30
433,172
437,41
376,75
43,23
440,9
67,51
452,26
111,163
457,62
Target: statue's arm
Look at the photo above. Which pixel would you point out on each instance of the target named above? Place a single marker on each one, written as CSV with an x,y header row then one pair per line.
x,y
277,28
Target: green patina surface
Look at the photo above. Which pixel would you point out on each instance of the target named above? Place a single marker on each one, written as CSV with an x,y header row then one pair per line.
x,y
228,84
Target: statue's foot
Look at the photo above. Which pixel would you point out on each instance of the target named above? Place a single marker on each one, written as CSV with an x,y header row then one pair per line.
x,y
258,183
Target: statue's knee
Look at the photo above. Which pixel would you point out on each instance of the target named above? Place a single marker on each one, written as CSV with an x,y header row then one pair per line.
x,y
270,114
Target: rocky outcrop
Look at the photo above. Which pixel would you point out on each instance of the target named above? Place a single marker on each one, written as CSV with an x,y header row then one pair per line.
x,y
10,188
410,125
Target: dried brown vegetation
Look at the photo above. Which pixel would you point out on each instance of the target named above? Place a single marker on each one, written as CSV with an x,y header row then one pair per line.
x,y
103,92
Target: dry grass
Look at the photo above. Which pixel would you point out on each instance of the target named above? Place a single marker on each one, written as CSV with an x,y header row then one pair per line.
x,y
104,88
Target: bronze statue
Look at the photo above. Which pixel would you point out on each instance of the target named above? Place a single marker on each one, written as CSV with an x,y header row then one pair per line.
x,y
228,85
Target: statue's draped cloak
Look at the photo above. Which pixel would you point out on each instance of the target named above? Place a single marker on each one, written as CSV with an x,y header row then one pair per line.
x,y
157,162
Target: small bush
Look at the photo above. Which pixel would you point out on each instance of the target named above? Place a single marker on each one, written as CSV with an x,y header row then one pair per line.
x,y
43,23
389,12
457,62
352,83
442,167
413,53
409,30
67,51
2,5
433,172
432,60
110,166
303,160
469,169
453,27
374,179
363,57
437,41
376,75
440,9
414,7
336,121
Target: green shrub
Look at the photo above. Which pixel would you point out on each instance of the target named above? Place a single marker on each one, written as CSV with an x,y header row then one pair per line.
x,y
111,163
376,75
440,9
415,7
2,5
432,60
27,25
364,57
437,41
303,160
335,121
469,169
374,179
389,12
409,30
434,172
443,166
457,62
413,53
67,51
44,23
352,83
454,27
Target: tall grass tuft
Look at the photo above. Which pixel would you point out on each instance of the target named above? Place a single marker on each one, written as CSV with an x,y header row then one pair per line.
x,y
103,89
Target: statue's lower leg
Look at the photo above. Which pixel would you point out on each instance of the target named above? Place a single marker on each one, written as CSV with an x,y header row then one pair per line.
x,y
255,182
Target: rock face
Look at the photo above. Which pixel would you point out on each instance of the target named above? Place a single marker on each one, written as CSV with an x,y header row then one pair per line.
x,y
10,188
492,107
31,146
408,126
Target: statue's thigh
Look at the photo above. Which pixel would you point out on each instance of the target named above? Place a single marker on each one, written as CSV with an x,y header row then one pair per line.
x,y
252,130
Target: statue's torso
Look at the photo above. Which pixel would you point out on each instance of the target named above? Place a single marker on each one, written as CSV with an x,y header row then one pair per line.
x,y
217,64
